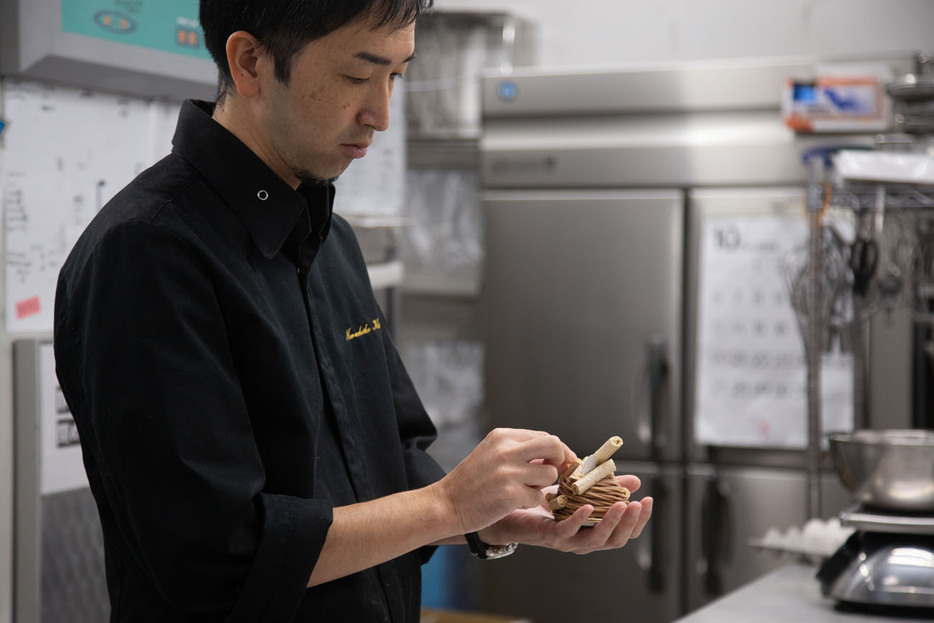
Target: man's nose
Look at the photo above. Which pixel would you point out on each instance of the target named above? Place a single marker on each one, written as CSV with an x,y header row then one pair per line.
x,y
375,113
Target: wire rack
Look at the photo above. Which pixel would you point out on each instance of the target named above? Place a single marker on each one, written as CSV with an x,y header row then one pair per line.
x,y
865,196
871,202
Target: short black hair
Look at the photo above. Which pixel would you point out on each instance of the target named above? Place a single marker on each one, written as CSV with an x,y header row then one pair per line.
x,y
284,27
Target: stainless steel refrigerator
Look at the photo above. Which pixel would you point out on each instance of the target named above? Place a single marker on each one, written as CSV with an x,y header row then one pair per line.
x,y
596,187
558,325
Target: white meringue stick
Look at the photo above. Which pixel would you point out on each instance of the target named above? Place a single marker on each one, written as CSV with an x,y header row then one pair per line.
x,y
559,501
593,477
602,454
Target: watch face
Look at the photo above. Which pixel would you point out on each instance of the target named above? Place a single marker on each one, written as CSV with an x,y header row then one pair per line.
x,y
488,552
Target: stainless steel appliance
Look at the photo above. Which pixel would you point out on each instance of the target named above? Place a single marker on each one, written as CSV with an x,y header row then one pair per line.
x,y
59,546
889,560
596,187
554,363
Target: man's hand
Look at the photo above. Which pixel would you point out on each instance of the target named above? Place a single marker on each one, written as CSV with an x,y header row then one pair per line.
x,y
506,472
499,487
537,527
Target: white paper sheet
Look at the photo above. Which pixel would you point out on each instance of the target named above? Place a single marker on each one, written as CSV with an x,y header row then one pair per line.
x,y
751,367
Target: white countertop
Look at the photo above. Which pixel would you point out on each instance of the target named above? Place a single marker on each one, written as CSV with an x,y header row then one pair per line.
x,y
789,595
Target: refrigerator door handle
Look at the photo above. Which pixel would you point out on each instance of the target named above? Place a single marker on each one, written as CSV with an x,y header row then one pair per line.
x,y
716,531
656,571
657,387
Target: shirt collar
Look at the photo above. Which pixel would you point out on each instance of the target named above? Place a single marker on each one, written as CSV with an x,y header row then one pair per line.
x,y
267,205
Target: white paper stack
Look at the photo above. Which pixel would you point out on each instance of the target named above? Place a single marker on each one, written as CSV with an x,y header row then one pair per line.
x,y
877,166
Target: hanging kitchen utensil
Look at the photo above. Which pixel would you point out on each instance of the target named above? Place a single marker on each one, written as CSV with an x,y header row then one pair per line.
x,y
833,290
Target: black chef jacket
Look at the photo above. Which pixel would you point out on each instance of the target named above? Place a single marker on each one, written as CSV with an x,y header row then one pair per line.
x,y
232,380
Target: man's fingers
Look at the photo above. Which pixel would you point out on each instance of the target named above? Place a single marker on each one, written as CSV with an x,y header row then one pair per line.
x,y
540,476
603,531
625,529
548,448
621,523
630,482
571,526
644,517
529,445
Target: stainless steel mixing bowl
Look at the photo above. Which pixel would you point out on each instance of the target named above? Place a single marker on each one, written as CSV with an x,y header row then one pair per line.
x,y
887,469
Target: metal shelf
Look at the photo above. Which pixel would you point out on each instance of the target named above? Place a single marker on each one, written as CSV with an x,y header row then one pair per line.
x,y
424,152
865,195
424,282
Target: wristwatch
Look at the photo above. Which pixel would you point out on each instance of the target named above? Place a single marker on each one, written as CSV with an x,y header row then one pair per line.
x,y
485,551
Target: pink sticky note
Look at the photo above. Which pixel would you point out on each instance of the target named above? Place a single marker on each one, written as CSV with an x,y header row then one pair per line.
x,y
27,307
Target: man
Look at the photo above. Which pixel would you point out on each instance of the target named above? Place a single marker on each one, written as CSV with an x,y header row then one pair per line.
x,y
255,447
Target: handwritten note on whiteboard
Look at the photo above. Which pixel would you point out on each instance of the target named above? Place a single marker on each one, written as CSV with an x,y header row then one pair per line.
x,y
751,367
66,153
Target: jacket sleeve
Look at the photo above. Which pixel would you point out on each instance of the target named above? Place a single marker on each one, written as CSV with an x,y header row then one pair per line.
x,y
143,359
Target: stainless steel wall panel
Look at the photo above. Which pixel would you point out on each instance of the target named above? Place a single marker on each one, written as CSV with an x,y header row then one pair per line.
x,y
73,585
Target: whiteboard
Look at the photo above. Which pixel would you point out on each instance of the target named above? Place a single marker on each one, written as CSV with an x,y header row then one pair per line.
x,y
66,153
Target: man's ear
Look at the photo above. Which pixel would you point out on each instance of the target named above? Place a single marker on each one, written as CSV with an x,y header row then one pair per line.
x,y
244,57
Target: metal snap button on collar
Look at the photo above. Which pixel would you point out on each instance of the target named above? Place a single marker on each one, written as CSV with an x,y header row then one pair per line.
x,y
262,195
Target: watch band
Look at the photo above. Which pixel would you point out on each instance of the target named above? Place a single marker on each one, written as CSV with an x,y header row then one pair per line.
x,y
485,551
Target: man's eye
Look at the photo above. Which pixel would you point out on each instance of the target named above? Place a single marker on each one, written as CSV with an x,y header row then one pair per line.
x,y
396,76
355,80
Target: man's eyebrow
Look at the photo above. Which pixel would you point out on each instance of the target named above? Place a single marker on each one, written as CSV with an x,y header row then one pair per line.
x,y
378,60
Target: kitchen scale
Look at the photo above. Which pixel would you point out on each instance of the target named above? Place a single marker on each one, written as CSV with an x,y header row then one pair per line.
x,y
887,564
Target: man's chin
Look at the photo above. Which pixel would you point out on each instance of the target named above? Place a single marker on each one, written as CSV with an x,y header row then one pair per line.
x,y
310,179
324,174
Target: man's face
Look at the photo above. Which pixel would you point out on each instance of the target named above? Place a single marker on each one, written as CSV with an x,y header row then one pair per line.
x,y
336,99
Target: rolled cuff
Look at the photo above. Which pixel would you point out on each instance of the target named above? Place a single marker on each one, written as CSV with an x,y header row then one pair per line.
x,y
293,534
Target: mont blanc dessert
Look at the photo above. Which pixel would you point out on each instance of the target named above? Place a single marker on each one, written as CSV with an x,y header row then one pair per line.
x,y
590,481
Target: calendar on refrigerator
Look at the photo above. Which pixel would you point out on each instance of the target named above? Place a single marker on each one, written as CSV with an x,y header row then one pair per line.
x,y
751,382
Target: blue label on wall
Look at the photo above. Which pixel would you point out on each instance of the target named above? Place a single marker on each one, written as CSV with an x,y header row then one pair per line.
x,y
507,90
